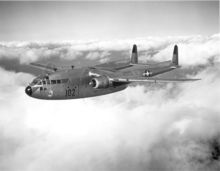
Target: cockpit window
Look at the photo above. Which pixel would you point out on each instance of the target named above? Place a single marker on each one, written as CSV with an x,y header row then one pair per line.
x,y
35,81
39,83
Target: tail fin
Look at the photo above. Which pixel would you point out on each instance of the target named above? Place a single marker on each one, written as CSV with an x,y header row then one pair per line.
x,y
134,55
175,56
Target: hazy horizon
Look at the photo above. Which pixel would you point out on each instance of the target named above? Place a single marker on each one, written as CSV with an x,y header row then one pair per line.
x,y
58,21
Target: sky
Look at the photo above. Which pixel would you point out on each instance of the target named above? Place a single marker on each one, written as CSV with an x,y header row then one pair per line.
x,y
50,21
147,127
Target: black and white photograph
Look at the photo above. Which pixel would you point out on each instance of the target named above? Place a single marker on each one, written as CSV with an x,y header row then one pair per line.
x,y
110,85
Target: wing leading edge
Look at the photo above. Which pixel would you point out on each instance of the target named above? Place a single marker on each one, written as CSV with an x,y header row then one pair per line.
x,y
44,67
151,79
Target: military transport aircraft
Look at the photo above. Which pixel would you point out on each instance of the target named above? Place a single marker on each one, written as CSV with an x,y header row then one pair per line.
x,y
74,83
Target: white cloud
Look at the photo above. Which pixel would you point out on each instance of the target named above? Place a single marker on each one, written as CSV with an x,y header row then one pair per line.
x,y
170,127
196,51
93,55
27,52
193,50
102,56
141,128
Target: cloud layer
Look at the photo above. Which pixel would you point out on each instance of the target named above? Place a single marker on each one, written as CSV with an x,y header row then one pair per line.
x,y
193,49
145,127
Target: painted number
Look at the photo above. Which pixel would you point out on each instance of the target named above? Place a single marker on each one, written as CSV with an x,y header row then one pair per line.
x,y
70,92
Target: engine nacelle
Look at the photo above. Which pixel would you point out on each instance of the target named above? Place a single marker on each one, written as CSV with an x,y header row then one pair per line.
x,y
100,82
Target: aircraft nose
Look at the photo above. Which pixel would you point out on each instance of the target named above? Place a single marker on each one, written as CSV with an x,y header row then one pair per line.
x,y
28,90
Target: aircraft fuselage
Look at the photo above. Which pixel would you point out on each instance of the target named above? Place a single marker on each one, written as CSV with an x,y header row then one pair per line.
x,y
100,79
69,84
76,83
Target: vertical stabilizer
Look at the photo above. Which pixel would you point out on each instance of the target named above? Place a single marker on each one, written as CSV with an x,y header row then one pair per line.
x,y
175,56
134,55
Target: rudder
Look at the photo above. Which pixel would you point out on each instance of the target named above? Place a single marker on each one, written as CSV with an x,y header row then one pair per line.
x,y
134,55
175,55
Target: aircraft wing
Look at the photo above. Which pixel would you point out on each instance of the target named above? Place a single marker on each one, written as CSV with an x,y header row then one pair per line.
x,y
44,67
123,79
119,66
127,80
113,66
152,79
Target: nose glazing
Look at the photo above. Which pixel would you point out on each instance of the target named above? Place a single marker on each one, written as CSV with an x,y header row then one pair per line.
x,y
28,90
